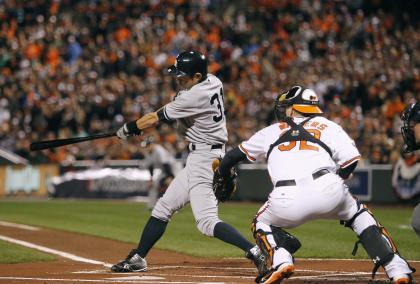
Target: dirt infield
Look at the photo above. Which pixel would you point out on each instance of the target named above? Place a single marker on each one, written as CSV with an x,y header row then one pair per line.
x,y
79,266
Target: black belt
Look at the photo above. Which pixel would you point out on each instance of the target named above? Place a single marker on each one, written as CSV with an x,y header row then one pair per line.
x,y
292,182
216,146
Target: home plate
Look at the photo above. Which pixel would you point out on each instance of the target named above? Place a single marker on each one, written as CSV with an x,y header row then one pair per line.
x,y
136,278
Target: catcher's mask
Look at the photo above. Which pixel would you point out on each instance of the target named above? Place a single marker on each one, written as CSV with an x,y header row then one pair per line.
x,y
188,63
302,100
410,116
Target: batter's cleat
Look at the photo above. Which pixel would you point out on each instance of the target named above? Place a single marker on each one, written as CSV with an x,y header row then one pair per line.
x,y
259,259
133,263
402,279
275,276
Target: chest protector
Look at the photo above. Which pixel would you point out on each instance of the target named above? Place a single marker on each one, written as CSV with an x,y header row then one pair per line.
x,y
297,133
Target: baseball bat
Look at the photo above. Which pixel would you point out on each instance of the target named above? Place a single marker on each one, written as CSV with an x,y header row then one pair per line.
x,y
41,145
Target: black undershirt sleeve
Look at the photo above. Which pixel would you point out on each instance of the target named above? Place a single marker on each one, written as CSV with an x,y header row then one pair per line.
x,y
231,159
162,115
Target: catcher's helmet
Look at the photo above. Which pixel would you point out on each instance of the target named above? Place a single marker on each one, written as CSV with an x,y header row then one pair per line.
x,y
188,63
410,116
302,100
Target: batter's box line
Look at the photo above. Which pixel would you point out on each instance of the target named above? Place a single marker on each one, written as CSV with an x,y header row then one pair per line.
x,y
241,259
165,274
204,276
66,280
253,269
335,276
198,267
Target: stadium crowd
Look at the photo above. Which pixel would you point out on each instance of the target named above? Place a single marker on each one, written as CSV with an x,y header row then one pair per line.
x,y
69,68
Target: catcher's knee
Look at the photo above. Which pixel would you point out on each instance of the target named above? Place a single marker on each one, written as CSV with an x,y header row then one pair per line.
x,y
271,238
206,225
373,236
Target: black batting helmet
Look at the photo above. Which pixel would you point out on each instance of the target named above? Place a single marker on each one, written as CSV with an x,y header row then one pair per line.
x,y
302,100
410,117
188,63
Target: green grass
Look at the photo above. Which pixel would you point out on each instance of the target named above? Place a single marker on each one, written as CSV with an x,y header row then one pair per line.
x,y
10,253
124,221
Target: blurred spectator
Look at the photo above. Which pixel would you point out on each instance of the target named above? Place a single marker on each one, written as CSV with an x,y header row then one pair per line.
x,y
406,176
68,68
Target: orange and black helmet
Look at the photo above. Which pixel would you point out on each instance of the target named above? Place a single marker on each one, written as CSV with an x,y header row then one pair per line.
x,y
303,100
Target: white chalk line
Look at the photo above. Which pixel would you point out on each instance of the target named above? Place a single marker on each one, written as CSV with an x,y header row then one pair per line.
x,y
54,252
324,259
322,273
103,280
250,269
20,226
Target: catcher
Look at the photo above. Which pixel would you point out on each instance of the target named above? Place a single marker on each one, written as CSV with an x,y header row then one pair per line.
x,y
308,157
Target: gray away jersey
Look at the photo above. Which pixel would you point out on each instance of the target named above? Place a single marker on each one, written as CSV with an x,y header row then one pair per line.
x,y
199,112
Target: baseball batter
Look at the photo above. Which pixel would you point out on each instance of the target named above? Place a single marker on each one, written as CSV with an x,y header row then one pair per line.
x,y
308,156
198,108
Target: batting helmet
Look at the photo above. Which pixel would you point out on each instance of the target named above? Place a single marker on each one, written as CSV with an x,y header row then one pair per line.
x,y
410,116
188,63
302,100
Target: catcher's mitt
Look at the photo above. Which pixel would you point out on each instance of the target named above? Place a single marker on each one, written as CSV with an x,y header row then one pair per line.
x,y
223,187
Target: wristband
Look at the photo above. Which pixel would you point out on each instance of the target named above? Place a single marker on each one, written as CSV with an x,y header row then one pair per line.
x,y
162,115
132,128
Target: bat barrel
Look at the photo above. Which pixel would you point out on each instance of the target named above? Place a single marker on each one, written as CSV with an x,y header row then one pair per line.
x,y
41,145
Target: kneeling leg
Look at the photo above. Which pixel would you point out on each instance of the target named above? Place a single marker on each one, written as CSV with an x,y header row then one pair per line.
x,y
277,245
378,244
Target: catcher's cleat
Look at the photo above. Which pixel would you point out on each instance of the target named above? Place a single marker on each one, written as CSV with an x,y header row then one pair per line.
x,y
259,259
276,275
402,279
133,263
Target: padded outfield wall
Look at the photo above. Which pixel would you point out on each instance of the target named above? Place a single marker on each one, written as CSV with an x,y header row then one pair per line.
x,y
87,179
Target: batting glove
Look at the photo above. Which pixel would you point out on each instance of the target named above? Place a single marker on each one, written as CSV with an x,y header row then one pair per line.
x,y
127,130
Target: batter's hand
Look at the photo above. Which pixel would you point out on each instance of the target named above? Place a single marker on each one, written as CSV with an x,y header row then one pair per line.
x,y
223,187
127,130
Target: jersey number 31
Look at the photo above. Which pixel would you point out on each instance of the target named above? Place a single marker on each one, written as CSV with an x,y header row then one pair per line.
x,y
215,99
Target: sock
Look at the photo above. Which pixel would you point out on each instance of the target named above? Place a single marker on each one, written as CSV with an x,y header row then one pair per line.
x,y
152,232
230,235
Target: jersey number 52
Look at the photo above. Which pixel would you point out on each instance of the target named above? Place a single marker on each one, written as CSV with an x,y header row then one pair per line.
x,y
215,100
303,145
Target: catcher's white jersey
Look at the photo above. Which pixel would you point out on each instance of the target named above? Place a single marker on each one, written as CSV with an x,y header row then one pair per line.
x,y
199,112
299,159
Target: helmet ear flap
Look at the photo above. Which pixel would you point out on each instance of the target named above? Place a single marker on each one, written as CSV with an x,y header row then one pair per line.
x,y
283,101
280,108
